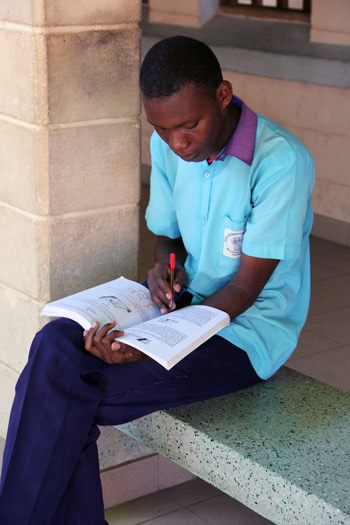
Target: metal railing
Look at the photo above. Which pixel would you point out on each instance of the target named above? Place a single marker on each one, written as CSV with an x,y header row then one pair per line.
x,y
302,6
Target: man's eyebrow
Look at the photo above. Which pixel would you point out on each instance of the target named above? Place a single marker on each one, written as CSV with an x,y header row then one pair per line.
x,y
193,119
154,125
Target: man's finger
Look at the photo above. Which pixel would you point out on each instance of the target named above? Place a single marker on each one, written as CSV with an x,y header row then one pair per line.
x,y
95,352
105,329
90,335
162,306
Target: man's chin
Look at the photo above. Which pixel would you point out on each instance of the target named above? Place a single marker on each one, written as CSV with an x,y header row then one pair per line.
x,y
195,157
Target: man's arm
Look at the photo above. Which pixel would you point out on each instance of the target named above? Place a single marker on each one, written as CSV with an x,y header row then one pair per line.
x,y
241,293
234,298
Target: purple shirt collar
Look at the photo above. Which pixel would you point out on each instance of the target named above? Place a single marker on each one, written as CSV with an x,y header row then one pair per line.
x,y
242,142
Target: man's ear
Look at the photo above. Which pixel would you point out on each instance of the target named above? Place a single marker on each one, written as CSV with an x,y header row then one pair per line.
x,y
224,94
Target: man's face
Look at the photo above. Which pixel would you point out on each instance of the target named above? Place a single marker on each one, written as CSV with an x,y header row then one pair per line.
x,y
189,121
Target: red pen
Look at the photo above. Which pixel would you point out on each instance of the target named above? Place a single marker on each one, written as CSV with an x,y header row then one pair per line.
x,y
172,269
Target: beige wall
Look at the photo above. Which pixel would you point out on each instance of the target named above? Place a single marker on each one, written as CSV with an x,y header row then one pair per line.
x,y
69,162
330,21
185,12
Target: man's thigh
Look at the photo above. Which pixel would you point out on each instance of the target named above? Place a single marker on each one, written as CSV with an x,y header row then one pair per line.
x,y
132,390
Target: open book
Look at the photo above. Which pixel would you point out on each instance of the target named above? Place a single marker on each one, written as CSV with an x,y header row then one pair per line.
x,y
165,338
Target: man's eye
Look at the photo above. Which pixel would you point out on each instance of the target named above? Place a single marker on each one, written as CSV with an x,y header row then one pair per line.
x,y
191,125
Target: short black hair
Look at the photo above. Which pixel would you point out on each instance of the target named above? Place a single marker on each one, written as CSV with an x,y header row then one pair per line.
x,y
173,62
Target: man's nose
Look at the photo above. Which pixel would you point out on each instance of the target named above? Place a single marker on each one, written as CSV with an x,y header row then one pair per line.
x,y
177,142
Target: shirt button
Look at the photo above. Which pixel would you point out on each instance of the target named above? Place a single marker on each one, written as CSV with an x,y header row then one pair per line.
x,y
207,174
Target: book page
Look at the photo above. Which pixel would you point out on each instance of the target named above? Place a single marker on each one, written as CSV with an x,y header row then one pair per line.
x,y
168,338
121,300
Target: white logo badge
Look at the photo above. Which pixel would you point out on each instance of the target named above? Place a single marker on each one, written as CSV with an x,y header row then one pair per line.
x,y
232,243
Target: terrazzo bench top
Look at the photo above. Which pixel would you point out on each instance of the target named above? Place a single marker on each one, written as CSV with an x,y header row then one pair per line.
x,y
282,447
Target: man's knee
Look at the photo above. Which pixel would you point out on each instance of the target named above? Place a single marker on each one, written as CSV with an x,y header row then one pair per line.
x,y
59,335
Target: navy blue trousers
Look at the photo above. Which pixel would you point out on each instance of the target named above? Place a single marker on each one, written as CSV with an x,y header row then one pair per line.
x,y
50,472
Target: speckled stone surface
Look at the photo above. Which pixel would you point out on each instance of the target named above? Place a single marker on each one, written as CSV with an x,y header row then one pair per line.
x,y
281,448
115,448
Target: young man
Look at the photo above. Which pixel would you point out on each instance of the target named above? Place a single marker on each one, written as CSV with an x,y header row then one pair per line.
x,y
231,196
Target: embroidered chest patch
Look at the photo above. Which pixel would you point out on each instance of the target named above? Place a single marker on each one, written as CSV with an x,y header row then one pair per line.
x,y
232,243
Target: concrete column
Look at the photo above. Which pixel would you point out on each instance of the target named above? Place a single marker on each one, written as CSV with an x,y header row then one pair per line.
x,y
182,12
330,21
69,159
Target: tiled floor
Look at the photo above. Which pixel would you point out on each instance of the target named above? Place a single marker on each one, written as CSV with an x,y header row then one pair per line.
x,y
323,352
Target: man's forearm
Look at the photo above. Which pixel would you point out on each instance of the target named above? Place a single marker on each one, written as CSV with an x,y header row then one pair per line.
x,y
240,293
244,289
232,299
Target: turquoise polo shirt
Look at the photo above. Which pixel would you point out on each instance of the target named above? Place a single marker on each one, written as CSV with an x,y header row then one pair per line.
x,y
254,198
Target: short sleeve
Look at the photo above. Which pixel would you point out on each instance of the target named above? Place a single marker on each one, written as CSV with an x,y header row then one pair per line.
x,y
160,214
281,205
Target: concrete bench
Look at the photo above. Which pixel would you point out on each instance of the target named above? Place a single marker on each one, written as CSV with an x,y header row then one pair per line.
x,y
282,447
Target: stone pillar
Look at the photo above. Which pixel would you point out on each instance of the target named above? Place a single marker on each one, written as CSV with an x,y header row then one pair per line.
x,y
330,21
182,12
69,159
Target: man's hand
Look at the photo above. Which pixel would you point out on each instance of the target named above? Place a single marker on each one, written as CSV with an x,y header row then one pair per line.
x,y
159,285
101,343
159,276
